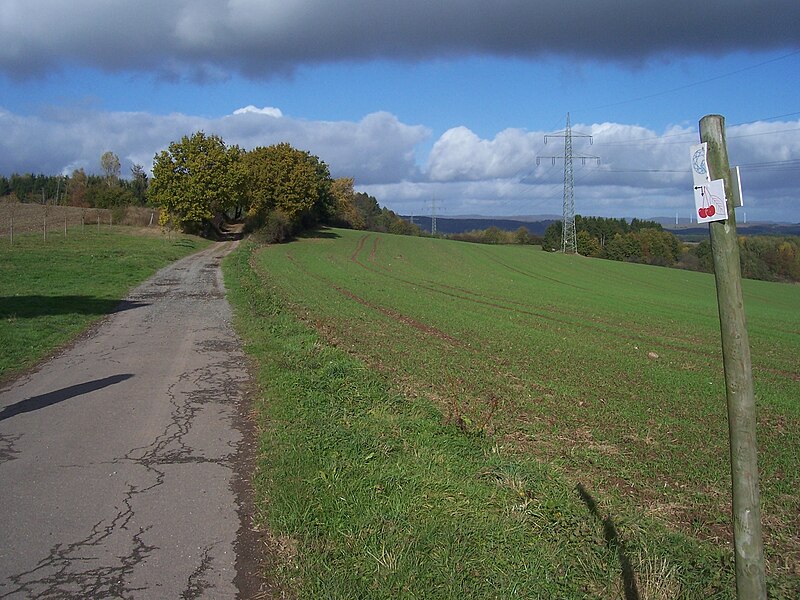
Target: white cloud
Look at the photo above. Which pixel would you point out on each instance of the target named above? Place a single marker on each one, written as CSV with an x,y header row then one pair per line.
x,y
642,172
460,154
267,110
378,148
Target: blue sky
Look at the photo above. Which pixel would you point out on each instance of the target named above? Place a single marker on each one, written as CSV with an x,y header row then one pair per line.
x,y
428,100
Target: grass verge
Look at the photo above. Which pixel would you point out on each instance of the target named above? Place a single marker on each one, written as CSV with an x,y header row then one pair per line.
x,y
373,493
50,292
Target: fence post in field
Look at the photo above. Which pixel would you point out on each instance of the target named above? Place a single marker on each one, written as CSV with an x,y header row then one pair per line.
x,y
748,544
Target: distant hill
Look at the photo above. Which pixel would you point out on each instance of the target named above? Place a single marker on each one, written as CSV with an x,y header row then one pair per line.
x,y
692,233
462,224
538,227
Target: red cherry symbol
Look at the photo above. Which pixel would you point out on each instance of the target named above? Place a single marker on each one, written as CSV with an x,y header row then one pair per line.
x,y
702,212
711,210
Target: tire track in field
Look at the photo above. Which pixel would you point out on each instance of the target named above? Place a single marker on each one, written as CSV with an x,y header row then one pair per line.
x,y
436,288
531,275
604,328
373,251
464,295
611,325
359,247
672,342
492,363
596,326
392,314
589,290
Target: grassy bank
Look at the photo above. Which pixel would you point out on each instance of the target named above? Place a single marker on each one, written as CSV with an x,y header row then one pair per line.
x,y
51,291
443,420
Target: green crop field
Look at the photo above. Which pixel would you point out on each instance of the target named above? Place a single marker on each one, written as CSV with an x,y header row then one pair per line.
x,y
451,420
51,291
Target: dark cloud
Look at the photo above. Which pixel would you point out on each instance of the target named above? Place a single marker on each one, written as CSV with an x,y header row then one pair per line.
x,y
207,39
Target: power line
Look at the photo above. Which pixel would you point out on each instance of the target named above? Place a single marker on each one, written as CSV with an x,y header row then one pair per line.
x,y
639,170
791,114
636,142
744,135
791,161
697,83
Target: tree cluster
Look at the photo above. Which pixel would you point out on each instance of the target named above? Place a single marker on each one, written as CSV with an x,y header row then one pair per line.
x,y
79,189
279,189
201,179
495,235
357,210
617,239
769,258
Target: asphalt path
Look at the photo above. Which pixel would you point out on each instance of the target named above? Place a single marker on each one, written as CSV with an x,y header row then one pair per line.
x,y
117,456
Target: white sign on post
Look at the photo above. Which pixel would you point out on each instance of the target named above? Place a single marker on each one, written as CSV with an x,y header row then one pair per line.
x,y
709,196
699,164
709,201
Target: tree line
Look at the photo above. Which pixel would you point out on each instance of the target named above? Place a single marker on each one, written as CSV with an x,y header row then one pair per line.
x,y
618,239
200,181
79,188
766,257
495,235
769,258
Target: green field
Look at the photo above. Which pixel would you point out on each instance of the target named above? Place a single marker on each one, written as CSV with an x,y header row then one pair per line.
x,y
452,420
51,291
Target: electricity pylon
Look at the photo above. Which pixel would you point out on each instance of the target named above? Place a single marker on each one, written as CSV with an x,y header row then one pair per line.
x,y
569,240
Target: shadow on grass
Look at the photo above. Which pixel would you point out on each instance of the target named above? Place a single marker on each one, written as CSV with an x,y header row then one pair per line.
x,y
322,233
614,543
37,402
183,243
28,307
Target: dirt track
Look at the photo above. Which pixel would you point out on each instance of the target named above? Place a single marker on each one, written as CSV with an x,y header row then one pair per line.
x,y
117,457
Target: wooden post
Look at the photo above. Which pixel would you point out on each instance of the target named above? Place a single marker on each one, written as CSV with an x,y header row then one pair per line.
x,y
749,548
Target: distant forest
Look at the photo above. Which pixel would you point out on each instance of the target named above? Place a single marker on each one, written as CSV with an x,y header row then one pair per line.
x,y
79,189
766,257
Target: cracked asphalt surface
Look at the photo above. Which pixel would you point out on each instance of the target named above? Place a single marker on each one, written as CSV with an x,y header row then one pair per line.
x,y
117,456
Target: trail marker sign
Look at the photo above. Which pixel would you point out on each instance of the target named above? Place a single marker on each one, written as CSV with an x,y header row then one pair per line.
x,y
709,201
709,196
699,154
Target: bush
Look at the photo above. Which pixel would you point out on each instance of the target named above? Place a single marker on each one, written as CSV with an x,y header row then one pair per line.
x,y
118,214
276,228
